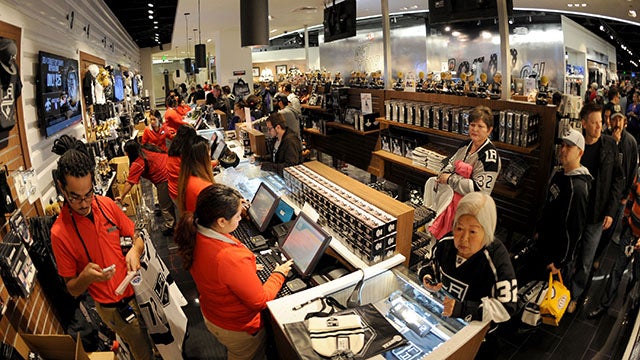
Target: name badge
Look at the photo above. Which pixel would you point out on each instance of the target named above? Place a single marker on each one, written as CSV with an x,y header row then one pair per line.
x,y
112,229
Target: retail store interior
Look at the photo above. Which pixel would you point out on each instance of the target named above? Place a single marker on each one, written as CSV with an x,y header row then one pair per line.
x,y
351,136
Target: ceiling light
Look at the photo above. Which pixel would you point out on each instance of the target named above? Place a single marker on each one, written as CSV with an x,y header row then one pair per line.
x,y
456,33
155,26
209,40
155,22
270,17
611,36
404,8
447,28
485,35
632,13
511,21
601,28
150,4
413,7
273,30
570,5
150,11
584,5
151,17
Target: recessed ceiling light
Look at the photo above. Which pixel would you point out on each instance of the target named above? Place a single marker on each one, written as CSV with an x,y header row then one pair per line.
x,y
209,40
584,5
447,28
150,11
155,22
404,8
151,17
413,7
272,31
155,26
270,17
601,28
150,4
632,13
570,5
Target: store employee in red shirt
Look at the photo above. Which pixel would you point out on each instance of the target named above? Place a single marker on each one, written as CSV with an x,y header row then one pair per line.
x,y
150,162
224,270
155,133
88,238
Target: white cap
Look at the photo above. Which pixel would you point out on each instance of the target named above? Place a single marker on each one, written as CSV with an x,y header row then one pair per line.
x,y
574,137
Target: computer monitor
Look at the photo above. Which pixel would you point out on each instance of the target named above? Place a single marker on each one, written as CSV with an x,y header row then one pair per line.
x,y
217,148
263,206
305,243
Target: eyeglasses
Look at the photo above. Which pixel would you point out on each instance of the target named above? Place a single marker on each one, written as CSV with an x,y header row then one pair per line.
x,y
75,199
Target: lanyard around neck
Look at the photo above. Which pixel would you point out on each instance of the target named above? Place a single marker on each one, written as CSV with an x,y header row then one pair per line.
x,y
75,227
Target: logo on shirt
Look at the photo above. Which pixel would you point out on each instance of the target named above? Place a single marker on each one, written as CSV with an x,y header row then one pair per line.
x,y
455,287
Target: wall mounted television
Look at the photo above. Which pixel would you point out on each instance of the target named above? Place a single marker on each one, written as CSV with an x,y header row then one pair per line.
x,y
58,93
134,86
118,85
450,11
340,20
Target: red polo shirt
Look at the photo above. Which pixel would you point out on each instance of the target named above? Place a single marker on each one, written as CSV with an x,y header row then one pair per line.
x,y
173,173
102,240
194,186
173,120
157,138
156,171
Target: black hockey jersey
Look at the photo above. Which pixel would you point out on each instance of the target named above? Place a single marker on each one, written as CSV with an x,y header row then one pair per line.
x,y
486,167
486,274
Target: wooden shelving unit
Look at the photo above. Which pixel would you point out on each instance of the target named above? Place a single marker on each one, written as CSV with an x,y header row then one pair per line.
x,y
350,128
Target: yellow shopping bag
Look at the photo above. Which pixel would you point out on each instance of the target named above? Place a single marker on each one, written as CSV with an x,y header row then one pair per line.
x,y
556,301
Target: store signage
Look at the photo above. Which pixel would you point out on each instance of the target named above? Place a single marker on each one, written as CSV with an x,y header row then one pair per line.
x,y
239,72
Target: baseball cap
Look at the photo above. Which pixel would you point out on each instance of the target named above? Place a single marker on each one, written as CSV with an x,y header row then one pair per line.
x,y
617,113
574,137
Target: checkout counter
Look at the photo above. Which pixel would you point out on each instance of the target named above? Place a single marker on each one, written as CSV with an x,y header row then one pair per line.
x,y
386,283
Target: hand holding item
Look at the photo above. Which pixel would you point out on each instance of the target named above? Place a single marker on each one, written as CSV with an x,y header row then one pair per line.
x,y
93,272
554,270
443,178
608,220
449,305
430,284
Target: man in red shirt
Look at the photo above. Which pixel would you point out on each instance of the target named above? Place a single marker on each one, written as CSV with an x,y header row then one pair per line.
x,y
94,245
151,163
155,133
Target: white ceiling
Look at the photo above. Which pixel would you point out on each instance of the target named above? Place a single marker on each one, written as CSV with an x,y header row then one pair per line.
x,y
291,15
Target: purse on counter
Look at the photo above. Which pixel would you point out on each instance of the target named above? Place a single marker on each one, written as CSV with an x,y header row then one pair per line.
x,y
336,334
555,302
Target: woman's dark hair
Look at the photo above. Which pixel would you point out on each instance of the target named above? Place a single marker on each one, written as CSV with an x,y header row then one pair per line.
x,y
482,113
183,87
196,161
184,136
171,101
210,99
157,114
134,151
226,90
75,159
253,101
214,202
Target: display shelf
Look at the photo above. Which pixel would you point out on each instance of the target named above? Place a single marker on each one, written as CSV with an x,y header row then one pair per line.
x,y
313,108
498,144
313,131
350,128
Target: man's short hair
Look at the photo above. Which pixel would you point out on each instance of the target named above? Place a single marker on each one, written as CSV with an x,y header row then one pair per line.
x,y
287,87
589,108
283,98
277,119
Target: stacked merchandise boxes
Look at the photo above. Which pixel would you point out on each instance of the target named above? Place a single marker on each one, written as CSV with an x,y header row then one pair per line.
x,y
369,231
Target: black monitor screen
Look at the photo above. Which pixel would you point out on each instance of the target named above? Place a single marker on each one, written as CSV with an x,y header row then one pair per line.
x,y
134,86
58,93
340,21
263,206
305,244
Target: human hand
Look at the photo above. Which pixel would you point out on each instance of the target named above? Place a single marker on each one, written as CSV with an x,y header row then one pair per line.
x,y
636,247
93,272
617,133
443,178
449,305
608,220
431,285
554,270
133,259
284,267
259,267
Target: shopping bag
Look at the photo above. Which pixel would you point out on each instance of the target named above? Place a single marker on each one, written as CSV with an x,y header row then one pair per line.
x,y
555,302
534,297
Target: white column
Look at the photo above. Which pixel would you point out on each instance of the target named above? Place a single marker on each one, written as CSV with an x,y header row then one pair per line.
x,y
386,43
146,70
505,64
230,57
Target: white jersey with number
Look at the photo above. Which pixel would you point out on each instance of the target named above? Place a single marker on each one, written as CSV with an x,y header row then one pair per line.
x,y
486,167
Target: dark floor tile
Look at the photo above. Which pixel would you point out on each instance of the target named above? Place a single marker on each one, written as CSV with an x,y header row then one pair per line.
x,y
593,355
514,332
540,345
506,350
575,342
606,335
565,324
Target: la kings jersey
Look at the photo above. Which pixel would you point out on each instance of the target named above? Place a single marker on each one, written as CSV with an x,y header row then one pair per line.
x,y
488,273
486,167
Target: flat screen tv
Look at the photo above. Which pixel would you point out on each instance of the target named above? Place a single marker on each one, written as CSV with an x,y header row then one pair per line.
x,y
340,21
58,93
134,86
118,85
450,11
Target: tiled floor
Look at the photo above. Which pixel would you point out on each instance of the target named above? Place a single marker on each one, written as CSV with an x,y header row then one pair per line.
x,y
576,338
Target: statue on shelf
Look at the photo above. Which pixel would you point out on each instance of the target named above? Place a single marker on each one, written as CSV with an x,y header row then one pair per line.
x,y
496,87
352,79
461,87
379,80
481,89
399,84
429,85
337,80
420,81
543,91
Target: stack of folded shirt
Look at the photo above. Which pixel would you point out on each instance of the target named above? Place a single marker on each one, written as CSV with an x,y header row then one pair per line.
x,y
432,159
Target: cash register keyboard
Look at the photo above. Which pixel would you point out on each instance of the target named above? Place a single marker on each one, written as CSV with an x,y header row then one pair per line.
x,y
244,232
269,262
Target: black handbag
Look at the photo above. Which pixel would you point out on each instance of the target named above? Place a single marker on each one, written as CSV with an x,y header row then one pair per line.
x,y
241,89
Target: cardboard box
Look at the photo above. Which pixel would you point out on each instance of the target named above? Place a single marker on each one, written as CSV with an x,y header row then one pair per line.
x,y
62,347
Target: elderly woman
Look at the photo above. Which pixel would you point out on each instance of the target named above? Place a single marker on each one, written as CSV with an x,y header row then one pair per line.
x,y
473,269
479,152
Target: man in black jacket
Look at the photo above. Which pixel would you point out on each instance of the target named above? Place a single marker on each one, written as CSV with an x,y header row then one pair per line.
x,y
602,158
565,210
628,148
287,150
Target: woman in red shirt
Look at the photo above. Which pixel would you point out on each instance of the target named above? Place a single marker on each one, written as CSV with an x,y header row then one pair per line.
x,y
172,119
184,137
195,173
155,134
224,270
150,162
182,108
